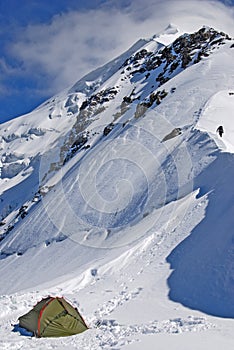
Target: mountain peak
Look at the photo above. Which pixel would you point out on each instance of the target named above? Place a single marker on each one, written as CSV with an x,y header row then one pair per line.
x,y
170,29
168,35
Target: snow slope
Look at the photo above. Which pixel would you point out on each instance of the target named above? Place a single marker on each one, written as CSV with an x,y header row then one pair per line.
x,y
129,212
220,111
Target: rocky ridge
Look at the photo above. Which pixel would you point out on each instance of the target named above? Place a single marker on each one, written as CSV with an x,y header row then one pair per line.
x,y
157,66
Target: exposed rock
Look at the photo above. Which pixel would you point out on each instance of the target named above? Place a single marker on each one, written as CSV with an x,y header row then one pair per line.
x,y
10,137
140,110
167,54
99,98
84,105
77,144
175,132
136,57
186,59
154,97
108,129
127,99
173,66
22,211
36,132
185,50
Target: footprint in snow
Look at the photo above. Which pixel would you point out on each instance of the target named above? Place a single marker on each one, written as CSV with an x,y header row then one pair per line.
x,y
124,296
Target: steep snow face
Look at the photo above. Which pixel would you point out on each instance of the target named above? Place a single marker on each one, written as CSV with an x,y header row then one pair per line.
x,y
203,263
36,146
126,172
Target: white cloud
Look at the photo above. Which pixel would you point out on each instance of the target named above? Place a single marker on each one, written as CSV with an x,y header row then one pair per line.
x,y
74,43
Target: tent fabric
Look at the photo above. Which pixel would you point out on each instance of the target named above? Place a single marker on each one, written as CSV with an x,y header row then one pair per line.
x,y
29,321
53,317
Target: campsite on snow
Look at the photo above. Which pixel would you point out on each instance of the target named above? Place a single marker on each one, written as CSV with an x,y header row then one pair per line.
x,y
116,211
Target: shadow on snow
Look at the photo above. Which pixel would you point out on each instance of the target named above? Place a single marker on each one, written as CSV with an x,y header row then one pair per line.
x,y
203,264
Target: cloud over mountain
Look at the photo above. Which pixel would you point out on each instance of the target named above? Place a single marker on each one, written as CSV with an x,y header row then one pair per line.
x,y
75,42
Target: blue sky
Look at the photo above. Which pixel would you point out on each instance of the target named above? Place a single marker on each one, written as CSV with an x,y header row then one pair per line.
x,y
21,86
46,46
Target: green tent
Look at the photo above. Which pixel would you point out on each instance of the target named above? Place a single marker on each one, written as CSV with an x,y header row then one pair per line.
x,y
53,317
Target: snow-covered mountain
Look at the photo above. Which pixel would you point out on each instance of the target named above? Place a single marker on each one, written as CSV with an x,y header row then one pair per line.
x,y
117,193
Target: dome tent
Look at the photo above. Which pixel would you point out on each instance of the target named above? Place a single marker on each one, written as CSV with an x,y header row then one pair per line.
x,y
53,317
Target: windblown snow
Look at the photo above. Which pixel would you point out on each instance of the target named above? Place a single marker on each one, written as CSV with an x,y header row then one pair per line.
x,y
118,195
